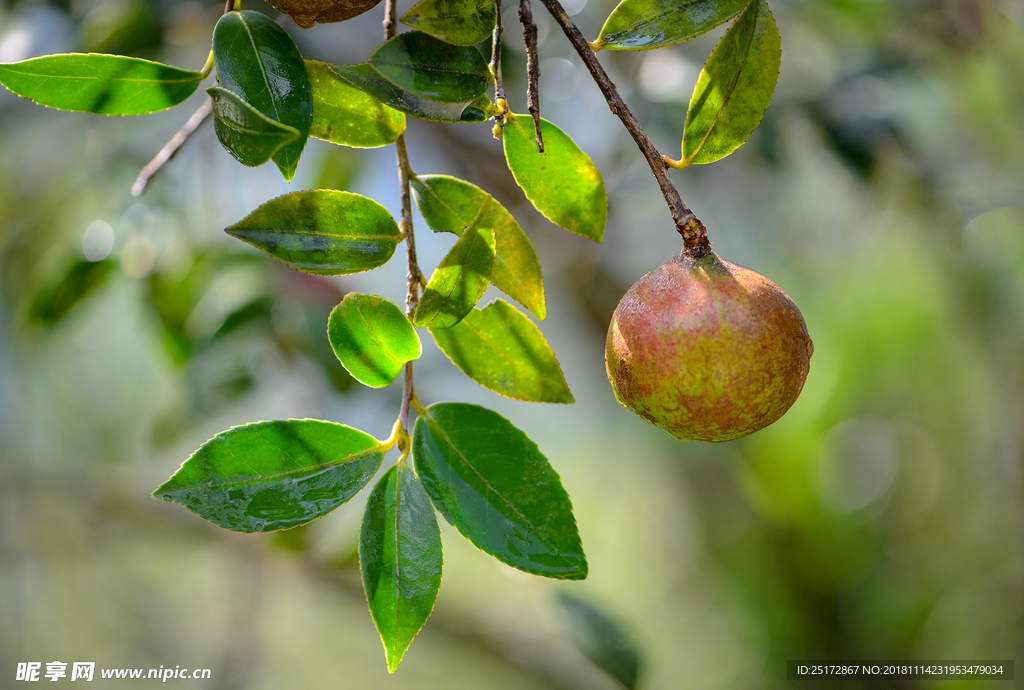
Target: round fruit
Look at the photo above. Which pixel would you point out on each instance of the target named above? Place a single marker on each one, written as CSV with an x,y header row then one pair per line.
x,y
306,13
707,350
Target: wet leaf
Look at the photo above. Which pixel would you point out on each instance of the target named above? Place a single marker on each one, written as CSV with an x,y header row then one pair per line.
x,y
459,22
451,205
493,484
647,24
427,67
322,231
372,338
274,475
400,557
97,83
343,114
257,60
562,183
734,88
366,78
244,132
602,639
458,281
502,350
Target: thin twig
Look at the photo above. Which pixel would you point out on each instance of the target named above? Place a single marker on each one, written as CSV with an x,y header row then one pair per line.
x,y
171,147
695,235
495,66
413,277
532,68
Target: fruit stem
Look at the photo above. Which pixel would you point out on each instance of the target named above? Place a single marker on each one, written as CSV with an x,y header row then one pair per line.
x,y
693,232
413,276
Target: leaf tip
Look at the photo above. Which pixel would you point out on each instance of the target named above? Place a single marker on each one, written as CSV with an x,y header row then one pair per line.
x,y
394,659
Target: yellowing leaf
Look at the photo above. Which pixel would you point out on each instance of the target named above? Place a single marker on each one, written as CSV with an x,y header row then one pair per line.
x,y
562,183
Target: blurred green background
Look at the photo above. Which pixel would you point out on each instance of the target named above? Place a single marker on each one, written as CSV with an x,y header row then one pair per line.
x,y
881,518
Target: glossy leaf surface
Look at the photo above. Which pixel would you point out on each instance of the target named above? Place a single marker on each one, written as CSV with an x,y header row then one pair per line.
x,y
602,639
258,60
493,484
246,133
343,114
449,204
458,281
734,88
322,231
366,78
427,67
502,350
562,183
459,22
372,338
647,24
400,557
274,475
97,83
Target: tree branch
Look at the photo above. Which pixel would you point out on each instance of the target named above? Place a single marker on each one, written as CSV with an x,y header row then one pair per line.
x,y
693,232
499,88
413,276
171,147
532,68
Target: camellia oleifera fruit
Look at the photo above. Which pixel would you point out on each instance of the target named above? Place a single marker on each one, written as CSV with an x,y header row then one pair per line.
x,y
306,13
707,350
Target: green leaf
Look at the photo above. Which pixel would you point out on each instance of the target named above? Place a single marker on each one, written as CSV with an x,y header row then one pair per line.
x,y
53,302
647,24
734,88
562,183
322,231
602,639
502,350
451,205
458,281
400,556
373,338
258,60
274,475
493,484
364,77
459,22
96,83
246,133
343,114
427,67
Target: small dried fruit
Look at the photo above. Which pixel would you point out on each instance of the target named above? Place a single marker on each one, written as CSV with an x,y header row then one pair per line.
x,y
707,350
306,13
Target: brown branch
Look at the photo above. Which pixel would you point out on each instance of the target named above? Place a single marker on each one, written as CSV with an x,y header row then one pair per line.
x,y
171,147
499,88
413,277
695,235
532,68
